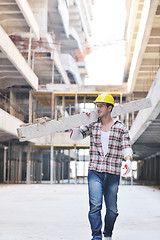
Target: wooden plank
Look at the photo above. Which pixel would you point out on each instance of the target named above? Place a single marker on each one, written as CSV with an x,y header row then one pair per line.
x,y
44,128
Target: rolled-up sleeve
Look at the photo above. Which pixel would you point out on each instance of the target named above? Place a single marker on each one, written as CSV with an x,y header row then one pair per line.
x,y
125,139
127,152
86,130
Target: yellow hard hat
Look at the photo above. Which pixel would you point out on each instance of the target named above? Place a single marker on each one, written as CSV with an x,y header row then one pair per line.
x,y
105,98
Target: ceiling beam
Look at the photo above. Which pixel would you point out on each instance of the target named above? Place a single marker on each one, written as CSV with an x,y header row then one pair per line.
x,y
15,57
151,62
145,28
9,123
29,17
151,55
146,116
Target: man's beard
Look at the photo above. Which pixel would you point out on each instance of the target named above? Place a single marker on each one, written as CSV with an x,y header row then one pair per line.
x,y
104,115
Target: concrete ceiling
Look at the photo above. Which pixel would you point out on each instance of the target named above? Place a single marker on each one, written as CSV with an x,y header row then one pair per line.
x,y
16,25
9,75
6,136
149,142
141,72
11,17
55,23
13,22
143,45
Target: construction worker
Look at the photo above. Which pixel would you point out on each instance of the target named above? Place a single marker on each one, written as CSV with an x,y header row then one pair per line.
x,y
109,144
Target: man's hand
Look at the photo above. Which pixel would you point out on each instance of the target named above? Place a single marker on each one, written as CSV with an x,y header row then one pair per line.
x,y
75,134
127,167
86,111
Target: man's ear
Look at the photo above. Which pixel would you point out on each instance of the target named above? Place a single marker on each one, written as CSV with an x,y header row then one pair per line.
x,y
110,108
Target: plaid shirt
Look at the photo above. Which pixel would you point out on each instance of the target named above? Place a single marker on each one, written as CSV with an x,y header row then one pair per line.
x,y
118,140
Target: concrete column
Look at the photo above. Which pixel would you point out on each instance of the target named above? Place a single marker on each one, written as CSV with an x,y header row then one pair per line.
x,y
28,180
33,59
51,164
41,166
69,161
56,112
76,103
155,169
5,161
12,166
59,170
158,170
63,106
29,48
17,163
70,109
5,102
62,167
20,165
33,176
34,109
59,166
30,107
143,170
84,166
52,71
84,101
150,169
147,169
52,101
140,165
75,150
8,176
12,102
9,162
131,178
132,117
55,167
52,106
34,167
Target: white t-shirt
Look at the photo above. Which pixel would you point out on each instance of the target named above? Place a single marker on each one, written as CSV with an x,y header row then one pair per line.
x,y
105,140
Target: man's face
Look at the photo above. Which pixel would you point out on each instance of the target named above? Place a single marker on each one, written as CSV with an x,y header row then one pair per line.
x,y
102,109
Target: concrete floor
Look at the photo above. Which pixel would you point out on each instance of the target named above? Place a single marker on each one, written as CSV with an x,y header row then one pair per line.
x,y
59,212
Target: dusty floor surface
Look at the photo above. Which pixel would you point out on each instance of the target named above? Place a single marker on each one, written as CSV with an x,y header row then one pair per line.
x,y
59,212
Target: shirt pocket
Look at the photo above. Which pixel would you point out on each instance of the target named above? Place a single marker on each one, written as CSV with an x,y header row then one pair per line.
x,y
95,140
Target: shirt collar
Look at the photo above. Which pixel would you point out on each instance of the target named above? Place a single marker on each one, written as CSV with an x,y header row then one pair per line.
x,y
116,120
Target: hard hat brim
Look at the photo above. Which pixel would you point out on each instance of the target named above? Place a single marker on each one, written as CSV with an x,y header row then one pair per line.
x,y
103,102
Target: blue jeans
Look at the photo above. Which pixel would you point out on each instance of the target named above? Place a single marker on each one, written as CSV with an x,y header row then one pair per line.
x,y
99,185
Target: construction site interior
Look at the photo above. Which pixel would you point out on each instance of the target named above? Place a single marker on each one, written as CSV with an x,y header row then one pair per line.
x,y
43,45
